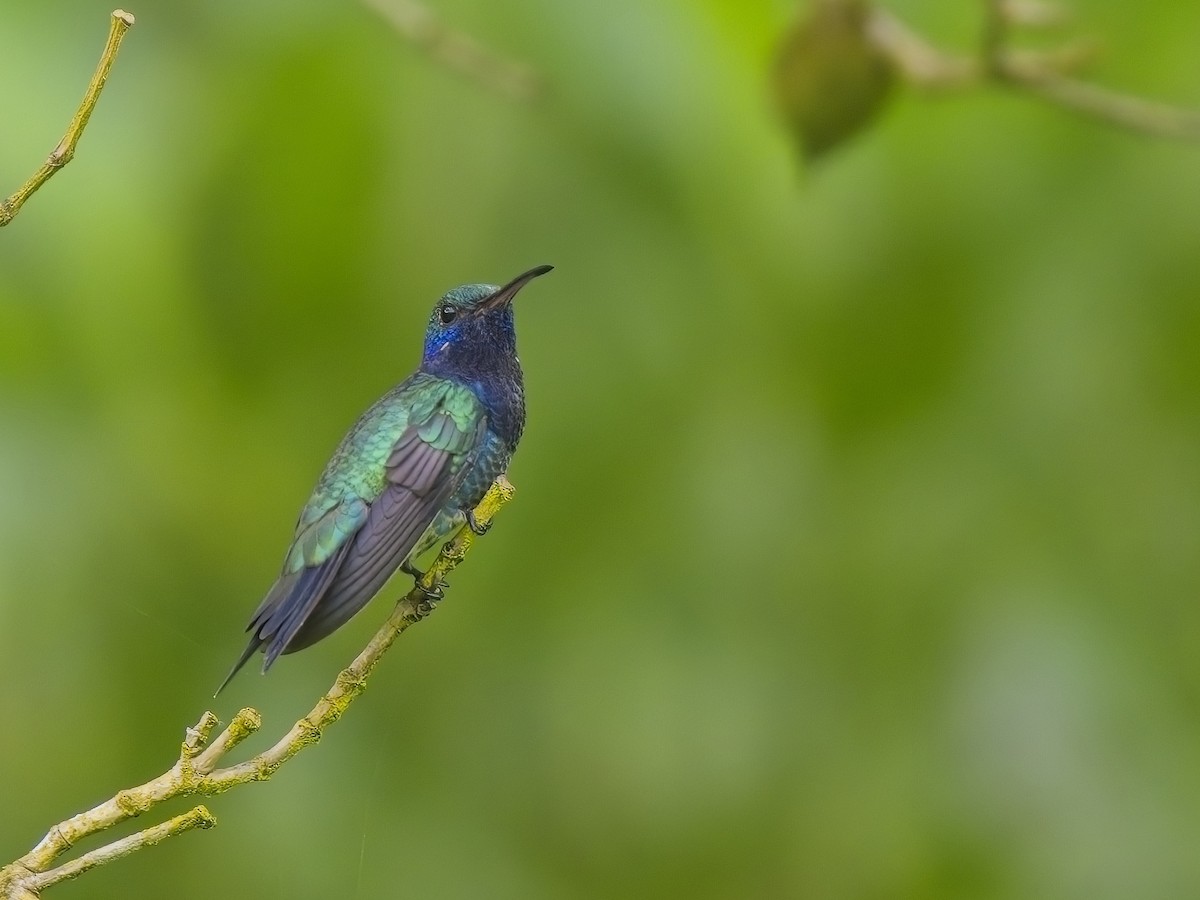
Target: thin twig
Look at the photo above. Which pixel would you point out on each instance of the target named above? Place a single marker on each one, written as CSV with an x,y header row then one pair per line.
x,y
196,771
994,45
199,817
1043,74
1110,107
120,23
922,64
421,27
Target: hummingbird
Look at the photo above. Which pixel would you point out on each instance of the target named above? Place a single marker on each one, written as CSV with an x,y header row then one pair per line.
x,y
408,474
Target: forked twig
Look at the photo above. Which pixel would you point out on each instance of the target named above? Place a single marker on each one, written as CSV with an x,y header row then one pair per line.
x,y
1049,75
197,770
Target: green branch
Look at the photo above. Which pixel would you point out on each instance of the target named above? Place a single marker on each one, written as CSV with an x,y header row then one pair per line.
x,y
120,23
197,771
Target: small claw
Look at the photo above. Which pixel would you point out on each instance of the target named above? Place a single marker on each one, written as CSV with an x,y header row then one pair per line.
x,y
429,599
474,525
432,594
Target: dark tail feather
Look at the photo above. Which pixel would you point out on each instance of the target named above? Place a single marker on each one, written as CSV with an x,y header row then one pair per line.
x,y
279,591
277,624
284,610
255,643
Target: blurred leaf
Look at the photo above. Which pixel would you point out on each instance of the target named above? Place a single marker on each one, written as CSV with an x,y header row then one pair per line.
x,y
830,80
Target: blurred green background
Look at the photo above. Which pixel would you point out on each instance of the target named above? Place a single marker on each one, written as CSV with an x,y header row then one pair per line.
x,y
857,540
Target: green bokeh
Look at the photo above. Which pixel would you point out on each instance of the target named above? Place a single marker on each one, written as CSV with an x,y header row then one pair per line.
x,y
856,550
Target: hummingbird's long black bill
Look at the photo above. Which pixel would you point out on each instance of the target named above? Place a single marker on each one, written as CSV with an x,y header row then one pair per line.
x,y
505,295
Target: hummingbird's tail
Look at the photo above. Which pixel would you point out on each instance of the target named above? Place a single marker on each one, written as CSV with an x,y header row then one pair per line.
x,y
251,648
284,610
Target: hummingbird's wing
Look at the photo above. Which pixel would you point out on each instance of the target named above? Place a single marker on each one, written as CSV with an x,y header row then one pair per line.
x,y
424,469
345,546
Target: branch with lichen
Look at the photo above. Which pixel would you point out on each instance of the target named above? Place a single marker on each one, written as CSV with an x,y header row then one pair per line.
x,y
120,23
1050,75
422,28
198,770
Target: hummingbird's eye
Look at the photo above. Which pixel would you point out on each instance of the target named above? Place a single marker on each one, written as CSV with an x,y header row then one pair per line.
x,y
447,314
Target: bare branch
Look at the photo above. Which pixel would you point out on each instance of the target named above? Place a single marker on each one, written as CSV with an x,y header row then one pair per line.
x,y
1034,13
923,64
421,27
199,817
994,45
1110,107
196,771
1045,74
120,23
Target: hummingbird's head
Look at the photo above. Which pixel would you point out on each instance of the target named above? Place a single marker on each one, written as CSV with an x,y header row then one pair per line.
x,y
475,320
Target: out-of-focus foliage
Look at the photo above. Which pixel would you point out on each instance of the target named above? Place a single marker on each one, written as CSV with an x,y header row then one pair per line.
x,y
831,81
856,550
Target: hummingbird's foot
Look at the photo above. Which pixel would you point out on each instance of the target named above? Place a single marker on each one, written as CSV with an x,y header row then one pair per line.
x,y
435,593
431,594
474,525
